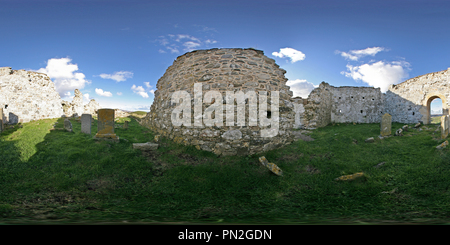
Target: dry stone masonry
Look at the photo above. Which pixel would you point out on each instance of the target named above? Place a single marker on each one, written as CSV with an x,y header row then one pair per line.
x,y
27,96
249,70
245,71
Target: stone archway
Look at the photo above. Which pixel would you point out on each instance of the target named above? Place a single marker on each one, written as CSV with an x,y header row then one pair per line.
x,y
427,103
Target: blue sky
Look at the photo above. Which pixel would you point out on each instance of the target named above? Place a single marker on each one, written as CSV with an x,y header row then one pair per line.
x,y
115,51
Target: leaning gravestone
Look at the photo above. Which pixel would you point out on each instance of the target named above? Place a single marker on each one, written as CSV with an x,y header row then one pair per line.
x,y
105,125
125,125
86,123
386,124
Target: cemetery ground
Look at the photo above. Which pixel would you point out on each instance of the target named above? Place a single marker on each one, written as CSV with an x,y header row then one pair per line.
x,y
62,177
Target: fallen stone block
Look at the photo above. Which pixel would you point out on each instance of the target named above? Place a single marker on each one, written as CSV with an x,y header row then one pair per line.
x,y
399,132
417,125
272,167
350,177
370,140
443,145
145,146
380,164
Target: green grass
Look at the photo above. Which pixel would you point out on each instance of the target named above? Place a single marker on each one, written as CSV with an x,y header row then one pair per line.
x,y
435,120
57,176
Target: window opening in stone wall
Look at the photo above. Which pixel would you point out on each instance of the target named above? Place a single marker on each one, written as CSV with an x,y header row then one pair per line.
x,y
361,111
269,114
339,97
413,113
352,97
6,106
363,97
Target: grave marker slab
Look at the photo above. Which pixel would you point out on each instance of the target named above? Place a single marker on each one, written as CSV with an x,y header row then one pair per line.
x,y
444,130
86,123
1,120
386,124
105,125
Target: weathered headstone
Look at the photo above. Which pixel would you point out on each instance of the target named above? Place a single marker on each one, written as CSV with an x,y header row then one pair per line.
x,y
1,120
386,124
86,123
125,125
68,125
444,127
105,125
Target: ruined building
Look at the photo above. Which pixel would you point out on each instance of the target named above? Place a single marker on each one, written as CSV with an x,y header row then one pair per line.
x,y
28,95
234,70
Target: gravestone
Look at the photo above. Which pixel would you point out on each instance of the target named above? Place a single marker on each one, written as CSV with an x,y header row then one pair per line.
x,y
1,120
386,123
105,125
125,125
86,123
68,125
444,127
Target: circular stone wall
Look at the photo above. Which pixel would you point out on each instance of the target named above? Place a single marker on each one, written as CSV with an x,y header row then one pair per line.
x,y
184,95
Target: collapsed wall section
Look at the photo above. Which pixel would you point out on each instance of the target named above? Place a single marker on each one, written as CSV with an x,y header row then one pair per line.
x,y
27,96
224,70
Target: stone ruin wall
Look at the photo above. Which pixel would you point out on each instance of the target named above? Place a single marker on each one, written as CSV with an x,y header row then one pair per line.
x,y
27,96
407,102
223,70
356,104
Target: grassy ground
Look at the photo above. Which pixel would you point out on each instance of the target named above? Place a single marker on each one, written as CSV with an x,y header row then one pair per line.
x,y
435,119
57,176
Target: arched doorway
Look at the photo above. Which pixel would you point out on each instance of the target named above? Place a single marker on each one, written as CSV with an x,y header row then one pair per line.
x,y
431,98
435,110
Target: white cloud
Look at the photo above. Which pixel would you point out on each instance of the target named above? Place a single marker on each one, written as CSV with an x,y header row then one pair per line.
x,y
119,93
100,92
140,91
64,75
190,46
356,54
118,76
173,50
147,84
209,41
379,74
86,98
301,88
291,53
175,43
184,36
